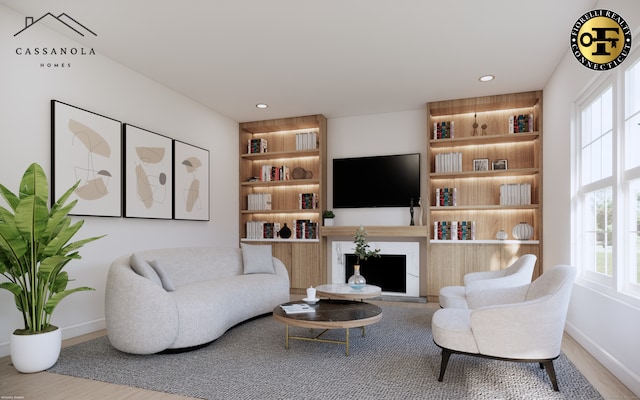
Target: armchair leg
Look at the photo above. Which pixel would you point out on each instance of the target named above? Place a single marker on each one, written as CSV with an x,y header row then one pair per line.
x,y
443,364
548,365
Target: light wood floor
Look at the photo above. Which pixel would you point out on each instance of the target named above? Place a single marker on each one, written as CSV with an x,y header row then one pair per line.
x,y
44,385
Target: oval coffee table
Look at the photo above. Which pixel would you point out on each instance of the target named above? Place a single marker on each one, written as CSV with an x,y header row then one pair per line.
x,y
329,314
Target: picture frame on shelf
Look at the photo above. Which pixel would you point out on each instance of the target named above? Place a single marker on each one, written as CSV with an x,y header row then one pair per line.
x,y
148,166
191,182
481,164
499,165
86,147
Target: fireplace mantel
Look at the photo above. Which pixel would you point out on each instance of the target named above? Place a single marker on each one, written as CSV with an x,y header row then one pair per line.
x,y
386,231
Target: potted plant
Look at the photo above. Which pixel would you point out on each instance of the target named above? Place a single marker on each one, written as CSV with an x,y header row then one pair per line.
x,y
363,252
34,249
328,217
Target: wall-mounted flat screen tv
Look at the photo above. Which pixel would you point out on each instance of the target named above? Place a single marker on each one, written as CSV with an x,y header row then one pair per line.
x,y
377,181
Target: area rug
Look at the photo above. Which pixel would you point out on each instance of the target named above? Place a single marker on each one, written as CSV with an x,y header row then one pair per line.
x,y
397,359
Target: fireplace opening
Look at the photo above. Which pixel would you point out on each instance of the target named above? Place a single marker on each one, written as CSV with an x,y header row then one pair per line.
x,y
388,271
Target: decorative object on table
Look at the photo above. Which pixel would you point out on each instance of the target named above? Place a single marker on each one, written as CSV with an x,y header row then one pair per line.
x,y
328,217
191,195
34,249
475,125
311,296
411,212
297,173
363,252
522,231
501,235
284,232
86,148
499,165
484,129
420,218
481,164
148,159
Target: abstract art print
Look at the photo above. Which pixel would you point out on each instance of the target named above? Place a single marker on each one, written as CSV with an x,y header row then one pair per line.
x,y
191,172
86,148
148,174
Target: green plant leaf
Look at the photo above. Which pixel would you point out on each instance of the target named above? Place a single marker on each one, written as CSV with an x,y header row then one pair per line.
x,y
60,239
34,183
52,303
9,196
31,217
12,287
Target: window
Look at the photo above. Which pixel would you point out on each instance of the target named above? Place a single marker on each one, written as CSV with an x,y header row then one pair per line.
x,y
607,217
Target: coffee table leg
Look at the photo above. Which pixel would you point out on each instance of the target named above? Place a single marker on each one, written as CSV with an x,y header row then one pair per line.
x,y
347,342
286,339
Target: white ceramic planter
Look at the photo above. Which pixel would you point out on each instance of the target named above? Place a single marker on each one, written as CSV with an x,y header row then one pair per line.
x,y
328,222
35,353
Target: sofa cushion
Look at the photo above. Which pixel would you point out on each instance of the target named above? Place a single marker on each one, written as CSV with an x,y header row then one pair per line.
x,y
142,268
167,283
257,259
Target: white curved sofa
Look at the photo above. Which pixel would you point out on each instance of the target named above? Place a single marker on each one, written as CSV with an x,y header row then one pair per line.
x,y
214,289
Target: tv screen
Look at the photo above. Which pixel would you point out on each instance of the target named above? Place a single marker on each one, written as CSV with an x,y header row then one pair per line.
x,y
379,181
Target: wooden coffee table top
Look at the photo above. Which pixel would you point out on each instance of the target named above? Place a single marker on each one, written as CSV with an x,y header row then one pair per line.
x,y
332,314
345,292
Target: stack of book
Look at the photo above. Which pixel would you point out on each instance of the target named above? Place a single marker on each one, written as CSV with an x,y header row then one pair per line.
x,y
454,230
270,173
307,201
515,194
521,123
256,146
259,201
305,229
449,162
446,197
443,130
262,229
306,140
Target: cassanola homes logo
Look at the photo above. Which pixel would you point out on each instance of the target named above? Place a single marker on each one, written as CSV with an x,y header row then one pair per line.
x,y
600,40
67,22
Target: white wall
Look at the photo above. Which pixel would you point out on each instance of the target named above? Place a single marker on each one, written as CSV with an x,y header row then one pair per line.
x,y
100,85
606,327
374,135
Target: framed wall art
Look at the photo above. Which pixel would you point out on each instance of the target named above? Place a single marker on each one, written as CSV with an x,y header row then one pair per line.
x,y
148,176
499,165
86,147
481,164
191,182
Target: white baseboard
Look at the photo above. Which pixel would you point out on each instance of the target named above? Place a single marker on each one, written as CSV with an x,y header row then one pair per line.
x,y
68,332
620,371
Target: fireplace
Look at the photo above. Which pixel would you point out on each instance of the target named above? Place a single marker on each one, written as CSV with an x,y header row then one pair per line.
x,y
396,271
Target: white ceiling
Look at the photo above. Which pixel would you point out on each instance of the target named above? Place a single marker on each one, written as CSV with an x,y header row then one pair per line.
x,y
333,57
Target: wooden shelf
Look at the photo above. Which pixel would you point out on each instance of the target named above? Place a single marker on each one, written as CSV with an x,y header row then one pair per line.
x,y
485,174
387,231
485,140
290,182
294,211
487,207
492,242
276,155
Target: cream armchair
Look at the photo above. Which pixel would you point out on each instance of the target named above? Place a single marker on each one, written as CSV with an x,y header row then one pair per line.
x,y
523,323
518,273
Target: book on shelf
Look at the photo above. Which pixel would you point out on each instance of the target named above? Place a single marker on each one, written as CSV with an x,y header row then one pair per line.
x,y
306,140
256,146
307,201
443,130
515,194
449,162
454,230
305,229
522,123
270,173
446,197
259,201
297,308
262,229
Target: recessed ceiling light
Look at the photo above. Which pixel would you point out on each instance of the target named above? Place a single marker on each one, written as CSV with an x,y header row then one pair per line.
x,y
262,105
486,78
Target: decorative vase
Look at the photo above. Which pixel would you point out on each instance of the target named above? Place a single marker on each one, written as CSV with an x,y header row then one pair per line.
x,y
328,222
285,232
501,235
356,281
522,231
35,353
